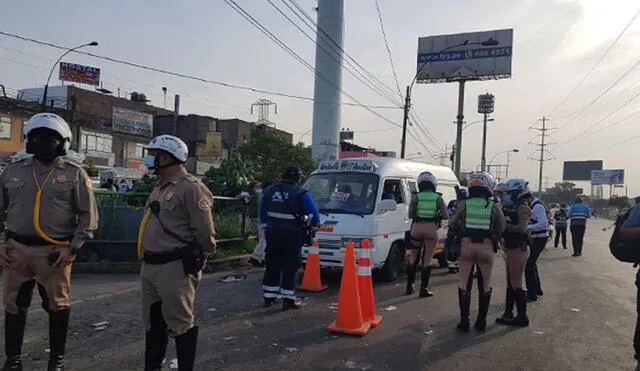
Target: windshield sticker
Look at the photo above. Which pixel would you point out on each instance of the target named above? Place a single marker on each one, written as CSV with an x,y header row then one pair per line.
x,y
340,196
328,226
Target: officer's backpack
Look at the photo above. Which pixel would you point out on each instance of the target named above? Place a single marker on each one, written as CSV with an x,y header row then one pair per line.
x,y
628,252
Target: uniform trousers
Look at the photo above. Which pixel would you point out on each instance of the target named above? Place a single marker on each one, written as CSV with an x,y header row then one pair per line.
x,y
283,261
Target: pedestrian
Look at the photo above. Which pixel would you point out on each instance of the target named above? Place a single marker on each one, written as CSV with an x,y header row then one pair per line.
x,y
50,212
291,217
578,215
480,222
452,244
629,232
253,198
538,228
517,214
109,185
560,219
427,210
176,234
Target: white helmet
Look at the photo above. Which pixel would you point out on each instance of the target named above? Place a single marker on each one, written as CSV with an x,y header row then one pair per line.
x,y
49,121
427,177
170,144
501,187
518,187
482,180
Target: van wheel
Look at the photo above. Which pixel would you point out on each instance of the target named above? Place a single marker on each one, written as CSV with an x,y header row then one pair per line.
x,y
391,268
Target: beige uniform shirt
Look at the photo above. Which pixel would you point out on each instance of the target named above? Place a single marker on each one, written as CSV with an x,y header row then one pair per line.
x,y
413,208
458,218
185,209
68,207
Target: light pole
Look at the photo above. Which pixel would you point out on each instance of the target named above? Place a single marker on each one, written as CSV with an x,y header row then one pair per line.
x,y
46,86
407,101
465,127
508,152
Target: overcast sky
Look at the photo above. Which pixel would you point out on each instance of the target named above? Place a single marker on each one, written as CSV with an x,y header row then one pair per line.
x,y
556,43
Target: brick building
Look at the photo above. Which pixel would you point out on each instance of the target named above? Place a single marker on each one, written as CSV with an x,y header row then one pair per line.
x,y
110,131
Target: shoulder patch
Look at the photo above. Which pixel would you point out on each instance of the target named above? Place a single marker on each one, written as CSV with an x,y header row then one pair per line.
x,y
204,204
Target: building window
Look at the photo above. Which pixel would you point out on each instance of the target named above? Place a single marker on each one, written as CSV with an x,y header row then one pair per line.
x,y
136,150
94,141
5,128
22,137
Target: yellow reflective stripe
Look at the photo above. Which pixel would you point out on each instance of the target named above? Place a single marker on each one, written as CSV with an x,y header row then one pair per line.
x,y
36,211
143,225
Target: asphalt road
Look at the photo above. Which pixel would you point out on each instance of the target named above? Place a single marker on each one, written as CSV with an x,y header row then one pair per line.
x,y
584,321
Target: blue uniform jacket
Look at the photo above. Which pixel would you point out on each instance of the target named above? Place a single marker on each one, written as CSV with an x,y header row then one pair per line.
x,y
277,214
578,214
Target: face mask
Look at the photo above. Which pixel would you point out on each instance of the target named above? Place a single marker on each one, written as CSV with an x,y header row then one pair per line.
x,y
507,200
150,162
43,150
259,191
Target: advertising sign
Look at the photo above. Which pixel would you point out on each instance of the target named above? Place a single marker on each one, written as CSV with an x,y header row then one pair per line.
x,y
132,122
607,177
486,103
79,73
445,58
346,135
214,144
580,170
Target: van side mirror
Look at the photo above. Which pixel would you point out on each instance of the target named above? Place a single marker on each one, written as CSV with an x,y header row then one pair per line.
x,y
387,205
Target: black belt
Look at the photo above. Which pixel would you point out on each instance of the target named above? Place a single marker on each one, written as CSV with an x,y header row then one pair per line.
x,y
163,257
32,240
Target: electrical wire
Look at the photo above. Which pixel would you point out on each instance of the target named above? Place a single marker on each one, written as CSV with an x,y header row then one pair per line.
x,y
609,146
185,76
386,44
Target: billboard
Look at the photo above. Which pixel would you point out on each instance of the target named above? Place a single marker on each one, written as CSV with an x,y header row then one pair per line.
x,y
346,135
79,73
486,103
607,177
214,144
444,58
132,122
580,170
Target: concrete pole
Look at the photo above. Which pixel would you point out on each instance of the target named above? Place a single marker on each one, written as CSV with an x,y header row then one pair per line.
x,y
459,120
327,109
176,114
483,163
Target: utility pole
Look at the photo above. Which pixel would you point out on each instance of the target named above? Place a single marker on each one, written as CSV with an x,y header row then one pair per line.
x,y
405,121
264,106
543,148
485,106
459,121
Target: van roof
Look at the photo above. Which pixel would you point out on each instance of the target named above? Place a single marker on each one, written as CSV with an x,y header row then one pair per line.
x,y
389,166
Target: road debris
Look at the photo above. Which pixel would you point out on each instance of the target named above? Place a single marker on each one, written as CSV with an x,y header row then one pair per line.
x,y
390,308
292,349
575,310
230,338
234,278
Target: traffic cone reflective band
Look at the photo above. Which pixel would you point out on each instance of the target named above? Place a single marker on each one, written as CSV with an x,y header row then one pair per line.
x,y
311,281
349,319
365,286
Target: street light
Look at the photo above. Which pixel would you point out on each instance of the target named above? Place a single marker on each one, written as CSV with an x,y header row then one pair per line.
x,y
407,103
474,122
46,86
508,152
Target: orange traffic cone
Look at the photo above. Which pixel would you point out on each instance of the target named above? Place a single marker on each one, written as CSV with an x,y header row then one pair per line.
x,y
349,319
311,280
365,286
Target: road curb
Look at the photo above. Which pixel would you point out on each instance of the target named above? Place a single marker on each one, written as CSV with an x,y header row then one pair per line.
x,y
213,266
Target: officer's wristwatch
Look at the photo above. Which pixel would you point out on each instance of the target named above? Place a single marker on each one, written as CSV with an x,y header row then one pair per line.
x,y
74,250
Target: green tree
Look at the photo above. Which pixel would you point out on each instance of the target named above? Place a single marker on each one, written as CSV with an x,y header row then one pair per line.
x,y
91,169
145,184
233,174
269,154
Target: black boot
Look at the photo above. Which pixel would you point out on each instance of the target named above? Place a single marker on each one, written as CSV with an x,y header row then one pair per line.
x,y
13,335
411,277
464,302
269,302
58,327
186,349
521,303
156,340
288,304
508,310
425,274
483,308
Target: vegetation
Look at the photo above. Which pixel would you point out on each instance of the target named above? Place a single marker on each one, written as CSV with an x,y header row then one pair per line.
x,y
145,184
91,169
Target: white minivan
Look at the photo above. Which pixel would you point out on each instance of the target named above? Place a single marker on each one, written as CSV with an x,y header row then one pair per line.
x,y
369,199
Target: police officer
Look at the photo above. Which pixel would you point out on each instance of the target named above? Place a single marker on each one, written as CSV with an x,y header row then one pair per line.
x,y
578,215
480,221
427,210
538,228
560,217
453,241
517,214
50,211
176,233
291,217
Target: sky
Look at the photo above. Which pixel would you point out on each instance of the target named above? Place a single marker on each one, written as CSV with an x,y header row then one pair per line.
x,y
556,44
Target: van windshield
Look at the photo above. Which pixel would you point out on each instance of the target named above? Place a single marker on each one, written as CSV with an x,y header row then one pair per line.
x,y
346,193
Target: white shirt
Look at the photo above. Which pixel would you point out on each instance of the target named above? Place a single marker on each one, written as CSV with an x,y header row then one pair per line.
x,y
540,215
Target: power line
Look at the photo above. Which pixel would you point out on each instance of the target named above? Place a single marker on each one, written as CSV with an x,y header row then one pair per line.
x,y
185,76
418,123
609,146
332,55
597,63
543,146
386,44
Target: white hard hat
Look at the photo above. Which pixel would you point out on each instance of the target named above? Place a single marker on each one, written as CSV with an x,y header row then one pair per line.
x,y
482,180
518,186
427,177
49,121
173,145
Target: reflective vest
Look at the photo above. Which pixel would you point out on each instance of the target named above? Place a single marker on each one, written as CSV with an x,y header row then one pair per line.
x,y
478,214
560,217
427,207
579,214
513,240
281,201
